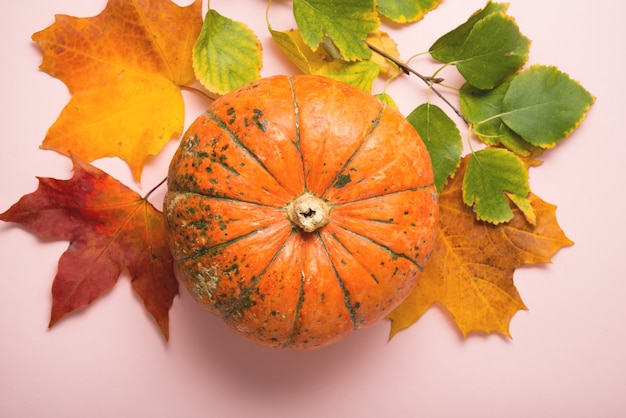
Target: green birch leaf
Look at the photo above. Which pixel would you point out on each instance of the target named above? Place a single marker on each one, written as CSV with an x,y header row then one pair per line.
x,y
227,54
544,105
387,100
344,25
360,74
442,139
492,175
493,50
405,11
446,48
482,108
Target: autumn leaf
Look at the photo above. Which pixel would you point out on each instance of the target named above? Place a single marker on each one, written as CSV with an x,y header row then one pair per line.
x,y
110,228
492,175
471,269
383,42
404,11
226,55
124,68
342,25
360,74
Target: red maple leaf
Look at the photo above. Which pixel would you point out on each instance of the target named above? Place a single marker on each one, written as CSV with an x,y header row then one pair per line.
x,y
110,228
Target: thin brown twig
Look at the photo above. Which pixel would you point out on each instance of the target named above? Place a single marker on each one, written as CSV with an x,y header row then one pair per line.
x,y
430,81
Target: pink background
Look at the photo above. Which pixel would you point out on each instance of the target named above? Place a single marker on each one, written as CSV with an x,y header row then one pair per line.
x,y
568,355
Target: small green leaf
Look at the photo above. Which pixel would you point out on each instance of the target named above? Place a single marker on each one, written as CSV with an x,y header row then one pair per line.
x,y
482,108
387,100
360,74
404,11
544,105
226,55
494,49
346,23
442,139
492,175
446,48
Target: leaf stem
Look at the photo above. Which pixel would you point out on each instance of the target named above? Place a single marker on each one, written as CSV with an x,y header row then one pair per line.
x,y
430,81
203,93
154,188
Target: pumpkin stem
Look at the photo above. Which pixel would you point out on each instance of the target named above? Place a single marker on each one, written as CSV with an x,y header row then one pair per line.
x,y
308,212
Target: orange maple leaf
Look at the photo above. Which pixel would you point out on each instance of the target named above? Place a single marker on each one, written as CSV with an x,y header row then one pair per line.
x,y
110,228
471,269
124,69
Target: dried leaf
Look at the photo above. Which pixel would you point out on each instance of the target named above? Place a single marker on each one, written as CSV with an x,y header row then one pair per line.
x,y
110,228
383,42
471,269
123,69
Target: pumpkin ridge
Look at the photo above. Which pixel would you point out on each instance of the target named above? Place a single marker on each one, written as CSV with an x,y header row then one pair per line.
x,y
364,140
344,291
234,310
227,199
208,250
384,247
296,113
364,199
296,314
336,238
222,125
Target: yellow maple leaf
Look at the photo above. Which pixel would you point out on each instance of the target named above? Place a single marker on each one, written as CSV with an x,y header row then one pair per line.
x,y
471,269
124,68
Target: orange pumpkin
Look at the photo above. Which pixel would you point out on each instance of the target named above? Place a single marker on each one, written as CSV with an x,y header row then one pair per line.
x,y
300,209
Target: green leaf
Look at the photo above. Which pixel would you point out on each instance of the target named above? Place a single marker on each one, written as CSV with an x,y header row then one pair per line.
x,y
404,11
447,47
482,108
387,100
360,74
493,50
442,139
544,105
492,175
226,55
345,23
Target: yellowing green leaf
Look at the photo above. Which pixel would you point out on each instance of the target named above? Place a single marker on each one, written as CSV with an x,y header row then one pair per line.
x,y
359,74
404,11
387,99
491,174
346,24
470,272
447,47
543,105
482,108
226,55
493,50
441,137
